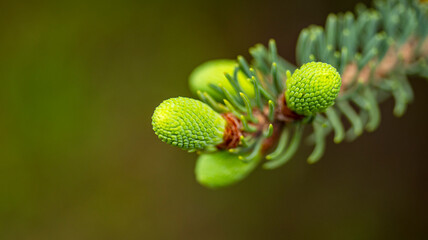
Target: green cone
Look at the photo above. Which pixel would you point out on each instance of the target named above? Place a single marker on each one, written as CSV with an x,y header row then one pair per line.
x,y
221,169
212,72
312,88
188,124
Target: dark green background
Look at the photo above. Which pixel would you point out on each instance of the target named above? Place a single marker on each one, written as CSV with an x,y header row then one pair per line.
x,y
79,160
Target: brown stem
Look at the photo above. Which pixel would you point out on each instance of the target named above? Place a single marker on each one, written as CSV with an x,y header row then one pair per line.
x,y
232,133
405,52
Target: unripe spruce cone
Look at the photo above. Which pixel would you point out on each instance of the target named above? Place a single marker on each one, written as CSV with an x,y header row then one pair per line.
x,y
188,124
220,169
212,73
312,88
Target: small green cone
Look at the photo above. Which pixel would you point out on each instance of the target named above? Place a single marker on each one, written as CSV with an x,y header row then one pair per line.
x,y
188,124
312,88
212,72
220,169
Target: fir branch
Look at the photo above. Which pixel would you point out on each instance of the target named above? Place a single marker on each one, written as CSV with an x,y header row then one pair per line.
x,y
345,70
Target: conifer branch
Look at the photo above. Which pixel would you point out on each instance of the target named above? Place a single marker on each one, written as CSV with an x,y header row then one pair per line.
x,y
344,70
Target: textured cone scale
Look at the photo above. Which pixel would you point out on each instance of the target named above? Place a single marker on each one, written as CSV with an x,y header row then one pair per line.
x,y
188,124
312,88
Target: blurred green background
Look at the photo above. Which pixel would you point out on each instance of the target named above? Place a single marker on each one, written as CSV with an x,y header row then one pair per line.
x,y
79,160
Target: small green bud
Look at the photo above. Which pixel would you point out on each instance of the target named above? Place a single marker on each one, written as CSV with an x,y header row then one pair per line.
x,y
312,88
221,169
212,72
188,124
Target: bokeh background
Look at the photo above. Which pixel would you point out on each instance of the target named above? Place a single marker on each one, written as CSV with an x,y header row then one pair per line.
x,y
79,160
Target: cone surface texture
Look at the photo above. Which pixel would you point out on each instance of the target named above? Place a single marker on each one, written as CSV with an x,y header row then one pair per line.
x,y
312,88
188,124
